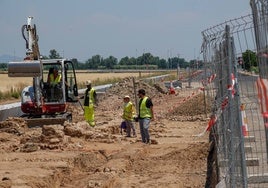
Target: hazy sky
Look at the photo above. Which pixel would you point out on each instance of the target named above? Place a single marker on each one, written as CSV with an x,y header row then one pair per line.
x,y
83,28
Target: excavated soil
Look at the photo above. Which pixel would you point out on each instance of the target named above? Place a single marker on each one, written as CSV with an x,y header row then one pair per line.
x,y
76,155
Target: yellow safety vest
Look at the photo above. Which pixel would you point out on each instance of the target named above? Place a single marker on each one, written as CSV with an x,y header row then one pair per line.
x,y
92,99
89,100
144,111
55,80
128,111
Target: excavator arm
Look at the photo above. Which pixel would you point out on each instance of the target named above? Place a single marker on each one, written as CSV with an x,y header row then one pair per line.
x,y
32,65
30,36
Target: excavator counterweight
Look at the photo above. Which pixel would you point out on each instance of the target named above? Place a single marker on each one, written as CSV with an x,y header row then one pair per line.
x,y
24,69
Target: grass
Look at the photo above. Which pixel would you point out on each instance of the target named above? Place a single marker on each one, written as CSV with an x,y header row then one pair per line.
x,y
12,93
103,81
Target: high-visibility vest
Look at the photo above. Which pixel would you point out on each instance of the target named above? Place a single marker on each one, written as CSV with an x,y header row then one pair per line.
x,y
144,111
54,80
89,97
128,111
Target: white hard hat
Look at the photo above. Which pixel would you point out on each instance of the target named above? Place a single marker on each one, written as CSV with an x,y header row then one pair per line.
x,y
126,97
88,82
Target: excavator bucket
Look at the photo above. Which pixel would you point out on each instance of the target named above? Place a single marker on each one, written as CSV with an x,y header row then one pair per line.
x,y
24,69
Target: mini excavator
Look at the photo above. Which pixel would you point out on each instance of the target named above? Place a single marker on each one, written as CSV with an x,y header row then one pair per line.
x,y
43,102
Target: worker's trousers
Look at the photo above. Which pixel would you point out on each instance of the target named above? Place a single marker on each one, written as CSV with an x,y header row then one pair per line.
x,y
144,128
89,115
130,127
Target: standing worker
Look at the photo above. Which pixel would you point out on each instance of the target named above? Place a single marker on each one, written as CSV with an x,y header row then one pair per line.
x,y
90,100
146,114
128,115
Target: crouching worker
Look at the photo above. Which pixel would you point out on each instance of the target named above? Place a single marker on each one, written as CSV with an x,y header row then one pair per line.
x,y
90,100
128,115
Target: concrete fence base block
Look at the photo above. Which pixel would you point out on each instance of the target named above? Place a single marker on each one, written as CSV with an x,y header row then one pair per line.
x,y
258,178
249,162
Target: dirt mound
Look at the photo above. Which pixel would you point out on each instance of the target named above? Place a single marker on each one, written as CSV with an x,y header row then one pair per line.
x,y
13,125
191,108
129,86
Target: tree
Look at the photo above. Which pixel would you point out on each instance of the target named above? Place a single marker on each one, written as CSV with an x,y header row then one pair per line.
x,y
54,54
249,60
110,62
146,59
3,66
78,65
162,64
124,61
94,62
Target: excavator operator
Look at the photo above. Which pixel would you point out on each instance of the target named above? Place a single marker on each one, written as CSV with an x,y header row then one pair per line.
x,y
53,79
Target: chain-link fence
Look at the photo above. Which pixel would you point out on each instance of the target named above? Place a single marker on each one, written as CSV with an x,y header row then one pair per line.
x,y
236,79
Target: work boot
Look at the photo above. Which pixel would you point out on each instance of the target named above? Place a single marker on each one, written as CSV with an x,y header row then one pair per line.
x,y
148,142
92,124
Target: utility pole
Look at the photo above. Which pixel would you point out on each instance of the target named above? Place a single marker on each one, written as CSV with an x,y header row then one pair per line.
x,y
136,59
135,94
178,66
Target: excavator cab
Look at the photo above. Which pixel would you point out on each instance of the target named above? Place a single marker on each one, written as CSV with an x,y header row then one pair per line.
x,y
59,81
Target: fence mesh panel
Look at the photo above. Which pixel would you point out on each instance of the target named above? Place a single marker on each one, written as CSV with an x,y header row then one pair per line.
x,y
236,79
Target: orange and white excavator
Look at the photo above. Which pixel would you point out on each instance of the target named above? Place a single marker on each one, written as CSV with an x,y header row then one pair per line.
x,y
44,99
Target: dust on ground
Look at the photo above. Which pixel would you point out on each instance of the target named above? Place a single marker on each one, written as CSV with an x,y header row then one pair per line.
x,y
76,155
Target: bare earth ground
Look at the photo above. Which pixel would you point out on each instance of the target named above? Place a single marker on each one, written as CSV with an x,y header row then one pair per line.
x,y
75,155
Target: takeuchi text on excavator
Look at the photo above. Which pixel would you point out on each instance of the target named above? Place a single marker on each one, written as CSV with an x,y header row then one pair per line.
x,y
54,82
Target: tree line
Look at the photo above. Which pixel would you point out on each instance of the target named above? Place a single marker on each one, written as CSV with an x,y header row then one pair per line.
x,y
145,61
